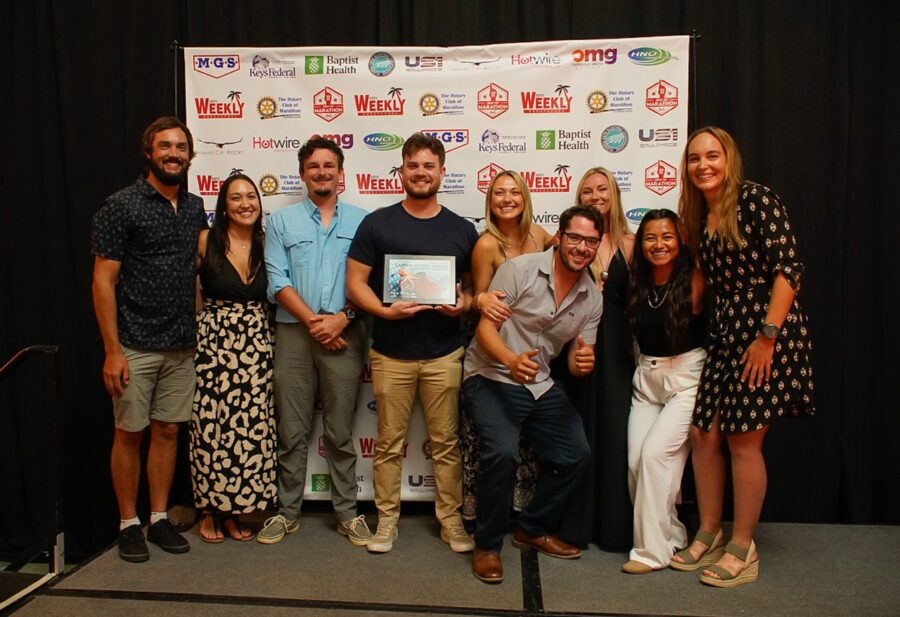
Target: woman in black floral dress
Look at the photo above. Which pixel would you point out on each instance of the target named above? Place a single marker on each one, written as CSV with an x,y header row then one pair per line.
x,y
758,365
232,436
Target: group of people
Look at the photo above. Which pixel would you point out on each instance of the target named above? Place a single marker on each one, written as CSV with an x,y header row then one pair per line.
x,y
600,358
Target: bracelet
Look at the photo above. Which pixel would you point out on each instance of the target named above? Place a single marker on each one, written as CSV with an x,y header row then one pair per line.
x,y
478,301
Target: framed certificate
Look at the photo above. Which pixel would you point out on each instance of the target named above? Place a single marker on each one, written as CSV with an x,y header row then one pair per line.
x,y
424,279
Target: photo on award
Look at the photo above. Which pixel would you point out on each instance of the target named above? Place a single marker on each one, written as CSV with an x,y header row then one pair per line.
x,y
424,279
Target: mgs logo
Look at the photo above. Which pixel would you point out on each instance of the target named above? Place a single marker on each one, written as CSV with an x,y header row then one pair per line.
x,y
328,104
493,100
216,65
453,139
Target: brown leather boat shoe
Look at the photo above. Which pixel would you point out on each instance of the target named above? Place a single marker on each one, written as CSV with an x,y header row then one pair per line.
x,y
548,545
487,567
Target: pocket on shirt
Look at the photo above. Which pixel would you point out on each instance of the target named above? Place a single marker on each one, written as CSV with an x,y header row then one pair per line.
x,y
299,245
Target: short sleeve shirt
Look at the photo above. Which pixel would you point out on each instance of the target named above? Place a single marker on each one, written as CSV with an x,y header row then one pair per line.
x,y
536,322
157,248
393,231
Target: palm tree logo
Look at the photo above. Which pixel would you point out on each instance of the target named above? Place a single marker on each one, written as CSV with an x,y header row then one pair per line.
x,y
394,93
235,96
562,170
235,171
395,171
562,91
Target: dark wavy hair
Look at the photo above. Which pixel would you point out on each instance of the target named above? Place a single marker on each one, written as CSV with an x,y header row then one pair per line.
x,y
678,303
217,243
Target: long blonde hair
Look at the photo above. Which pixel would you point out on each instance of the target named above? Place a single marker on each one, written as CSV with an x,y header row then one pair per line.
x,y
618,226
524,219
692,206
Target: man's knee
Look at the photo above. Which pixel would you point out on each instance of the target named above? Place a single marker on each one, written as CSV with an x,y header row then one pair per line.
x,y
167,431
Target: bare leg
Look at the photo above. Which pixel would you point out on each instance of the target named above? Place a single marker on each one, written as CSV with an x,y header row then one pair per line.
x,y
748,470
709,476
125,468
161,462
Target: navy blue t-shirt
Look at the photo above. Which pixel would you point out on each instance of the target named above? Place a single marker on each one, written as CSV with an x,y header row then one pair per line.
x,y
393,231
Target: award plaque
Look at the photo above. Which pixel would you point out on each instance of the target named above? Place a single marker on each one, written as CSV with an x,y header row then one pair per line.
x,y
423,279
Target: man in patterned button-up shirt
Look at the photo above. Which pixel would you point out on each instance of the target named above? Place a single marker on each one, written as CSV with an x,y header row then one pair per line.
x,y
145,245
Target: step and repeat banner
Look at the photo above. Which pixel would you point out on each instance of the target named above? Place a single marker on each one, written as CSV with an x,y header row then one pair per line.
x,y
549,110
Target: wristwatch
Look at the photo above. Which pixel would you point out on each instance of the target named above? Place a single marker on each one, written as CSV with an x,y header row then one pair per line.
x,y
349,313
770,331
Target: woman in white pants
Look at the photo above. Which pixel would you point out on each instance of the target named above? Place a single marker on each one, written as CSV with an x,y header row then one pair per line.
x,y
665,317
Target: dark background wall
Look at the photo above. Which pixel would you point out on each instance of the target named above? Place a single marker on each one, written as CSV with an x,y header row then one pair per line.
x,y
808,89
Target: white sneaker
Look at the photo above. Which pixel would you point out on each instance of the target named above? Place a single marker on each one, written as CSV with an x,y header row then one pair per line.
x,y
457,538
385,535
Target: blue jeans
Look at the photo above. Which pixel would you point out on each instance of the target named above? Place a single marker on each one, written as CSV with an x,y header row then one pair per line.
x,y
501,411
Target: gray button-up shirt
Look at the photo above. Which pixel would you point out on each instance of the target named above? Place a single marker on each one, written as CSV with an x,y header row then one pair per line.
x,y
536,322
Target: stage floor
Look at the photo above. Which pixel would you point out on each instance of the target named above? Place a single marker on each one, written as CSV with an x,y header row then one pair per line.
x,y
805,570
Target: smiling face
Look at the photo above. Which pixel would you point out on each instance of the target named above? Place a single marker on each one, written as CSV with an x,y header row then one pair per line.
x,y
322,173
578,256
169,157
660,243
706,164
595,192
507,199
421,174
242,204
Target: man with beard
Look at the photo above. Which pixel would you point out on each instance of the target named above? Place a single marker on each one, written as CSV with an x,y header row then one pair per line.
x,y
553,301
417,348
145,247
320,345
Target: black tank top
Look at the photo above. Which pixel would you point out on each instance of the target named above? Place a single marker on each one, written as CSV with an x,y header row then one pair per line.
x,y
653,339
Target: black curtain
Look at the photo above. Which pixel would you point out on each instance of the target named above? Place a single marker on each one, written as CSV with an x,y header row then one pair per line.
x,y
806,88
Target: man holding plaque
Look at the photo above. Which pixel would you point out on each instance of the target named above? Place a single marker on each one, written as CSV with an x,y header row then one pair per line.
x,y
553,301
319,343
408,266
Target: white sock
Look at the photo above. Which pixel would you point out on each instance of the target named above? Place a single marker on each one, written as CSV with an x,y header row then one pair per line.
x,y
155,517
128,522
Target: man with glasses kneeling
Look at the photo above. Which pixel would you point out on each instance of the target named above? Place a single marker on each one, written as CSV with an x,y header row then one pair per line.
x,y
553,301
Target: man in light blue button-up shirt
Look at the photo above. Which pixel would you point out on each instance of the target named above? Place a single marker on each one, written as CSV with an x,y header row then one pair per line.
x,y
319,343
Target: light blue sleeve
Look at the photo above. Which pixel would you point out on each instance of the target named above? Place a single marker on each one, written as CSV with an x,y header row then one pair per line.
x,y
278,263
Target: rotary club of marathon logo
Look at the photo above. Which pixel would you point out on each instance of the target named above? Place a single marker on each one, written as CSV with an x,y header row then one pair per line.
x,y
270,107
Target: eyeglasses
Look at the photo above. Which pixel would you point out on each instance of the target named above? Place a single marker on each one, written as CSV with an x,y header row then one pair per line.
x,y
576,239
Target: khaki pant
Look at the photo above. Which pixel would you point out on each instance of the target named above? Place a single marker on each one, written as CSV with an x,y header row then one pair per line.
x,y
396,384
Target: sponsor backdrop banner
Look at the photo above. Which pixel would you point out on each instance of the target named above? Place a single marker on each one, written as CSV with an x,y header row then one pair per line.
x,y
548,110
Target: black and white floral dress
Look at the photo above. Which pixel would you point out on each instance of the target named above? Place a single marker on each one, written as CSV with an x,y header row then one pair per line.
x,y
740,279
233,437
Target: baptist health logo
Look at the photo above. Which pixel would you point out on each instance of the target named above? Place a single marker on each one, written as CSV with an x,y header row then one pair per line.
x,y
320,483
546,140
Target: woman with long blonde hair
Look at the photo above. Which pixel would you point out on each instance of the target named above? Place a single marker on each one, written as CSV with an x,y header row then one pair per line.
x,y
758,367
510,232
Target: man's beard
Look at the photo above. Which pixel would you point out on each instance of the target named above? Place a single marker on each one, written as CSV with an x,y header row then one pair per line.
x,y
323,191
416,193
168,178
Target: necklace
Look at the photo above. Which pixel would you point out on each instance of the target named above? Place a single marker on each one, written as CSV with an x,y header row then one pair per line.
x,y
658,299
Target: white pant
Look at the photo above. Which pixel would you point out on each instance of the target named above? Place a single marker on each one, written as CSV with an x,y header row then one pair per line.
x,y
662,401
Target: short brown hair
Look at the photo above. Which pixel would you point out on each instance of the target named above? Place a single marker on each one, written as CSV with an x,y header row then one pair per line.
x,y
163,124
421,141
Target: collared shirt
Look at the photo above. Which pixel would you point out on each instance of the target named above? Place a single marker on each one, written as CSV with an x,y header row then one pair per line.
x,y
536,322
302,254
157,248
